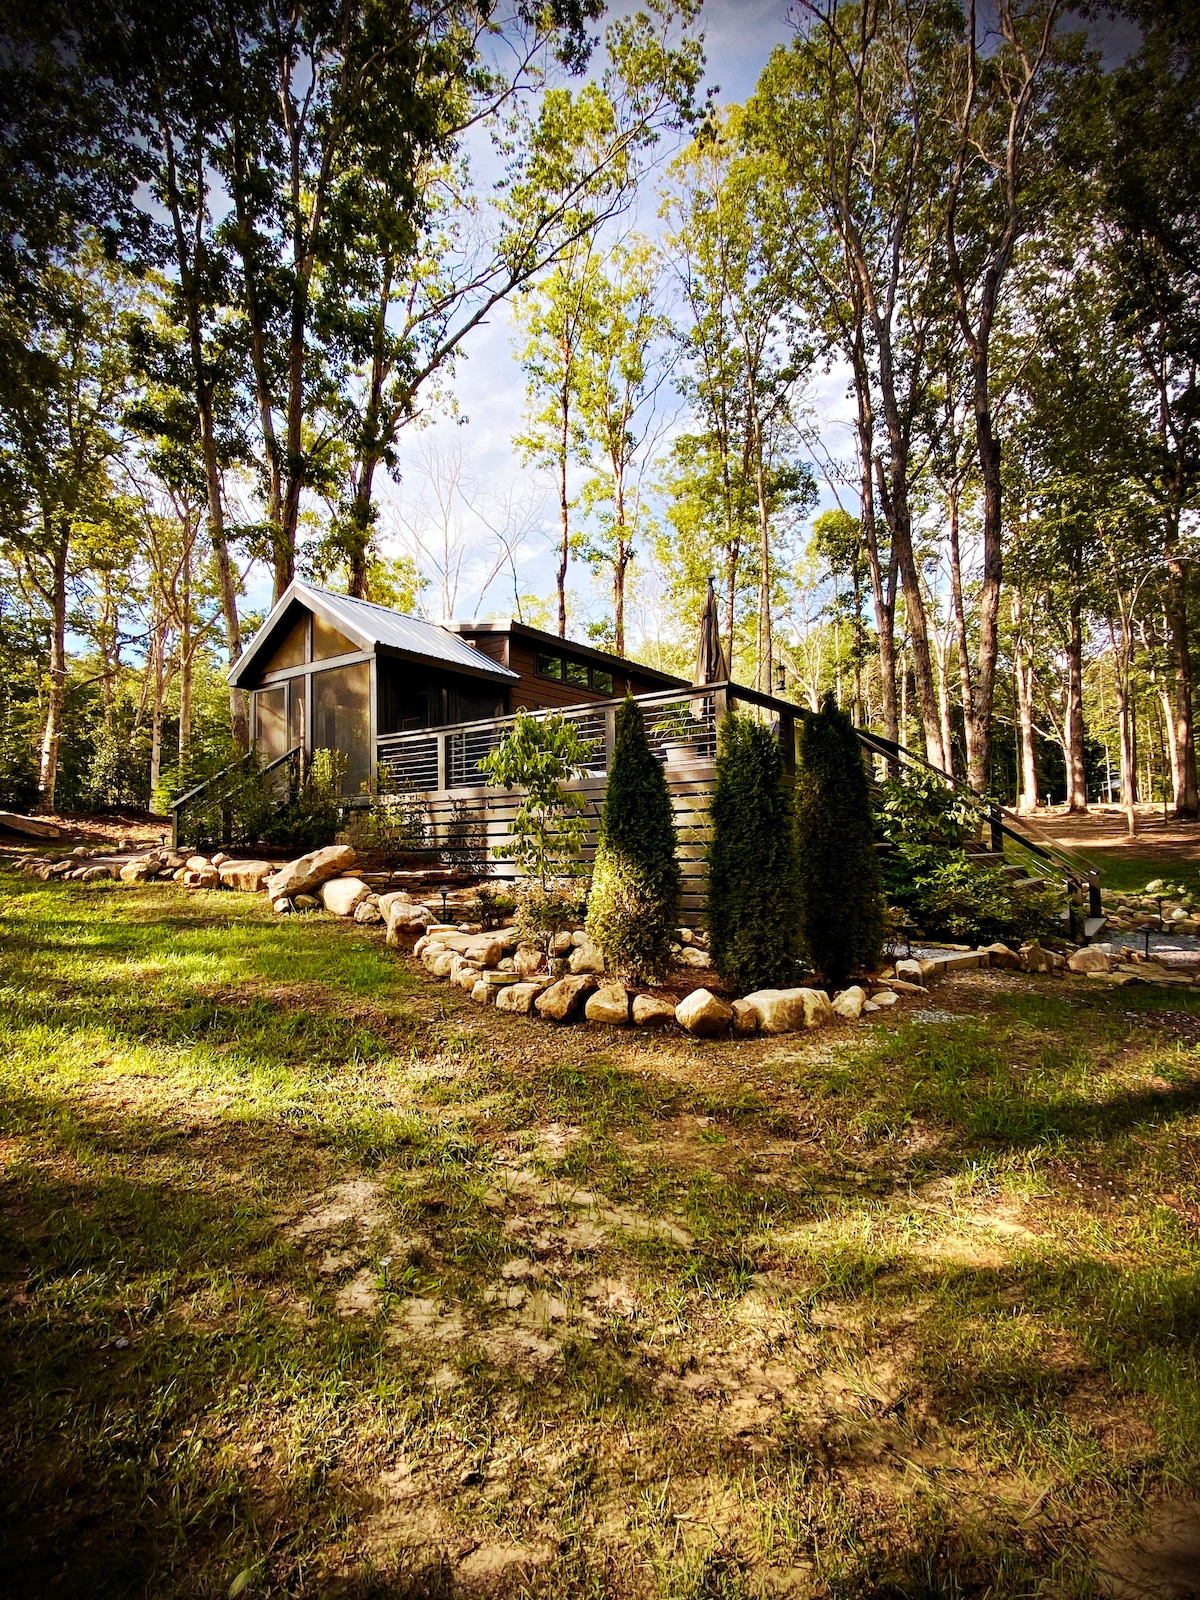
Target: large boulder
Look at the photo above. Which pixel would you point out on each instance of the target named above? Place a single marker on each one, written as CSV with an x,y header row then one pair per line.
x,y
528,959
1035,959
691,956
406,922
849,1003
999,955
586,957
702,1014
790,1010
484,949
745,1017
311,871
562,1000
1089,959
343,896
135,871
30,827
610,1004
248,876
651,1012
518,997
368,911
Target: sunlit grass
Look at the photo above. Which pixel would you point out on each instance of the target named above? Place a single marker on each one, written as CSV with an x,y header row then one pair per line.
x,y
833,1312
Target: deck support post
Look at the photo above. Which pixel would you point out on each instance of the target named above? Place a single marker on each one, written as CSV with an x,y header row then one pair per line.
x,y
441,761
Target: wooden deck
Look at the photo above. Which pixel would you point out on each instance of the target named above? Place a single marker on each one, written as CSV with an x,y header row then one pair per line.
x,y
437,769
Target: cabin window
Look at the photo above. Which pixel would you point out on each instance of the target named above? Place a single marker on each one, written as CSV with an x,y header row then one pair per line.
x,y
341,719
328,642
295,713
547,666
292,650
270,723
602,681
576,673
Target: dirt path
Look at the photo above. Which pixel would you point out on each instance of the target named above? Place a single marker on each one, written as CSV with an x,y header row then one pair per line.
x,y
1102,834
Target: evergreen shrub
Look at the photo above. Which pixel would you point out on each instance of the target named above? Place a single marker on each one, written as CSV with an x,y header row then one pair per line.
x,y
634,905
753,869
841,899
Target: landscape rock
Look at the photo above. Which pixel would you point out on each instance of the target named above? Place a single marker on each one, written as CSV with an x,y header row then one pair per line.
x,y
790,1010
93,874
848,1005
133,871
610,1003
343,896
1089,960
883,997
368,911
246,876
999,955
197,863
518,997
901,986
482,993
1035,959
439,962
586,957
561,1001
281,905
691,956
306,902
29,827
485,949
951,961
219,860
527,959
308,872
911,969
651,1012
702,1014
745,1017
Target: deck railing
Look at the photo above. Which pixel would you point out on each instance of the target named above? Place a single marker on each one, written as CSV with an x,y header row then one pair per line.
x,y
681,725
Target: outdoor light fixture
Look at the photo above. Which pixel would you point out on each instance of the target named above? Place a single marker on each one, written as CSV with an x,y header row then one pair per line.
x,y
780,678
445,896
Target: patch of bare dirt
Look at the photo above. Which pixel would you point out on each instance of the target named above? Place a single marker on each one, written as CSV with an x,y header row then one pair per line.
x,y
1162,1562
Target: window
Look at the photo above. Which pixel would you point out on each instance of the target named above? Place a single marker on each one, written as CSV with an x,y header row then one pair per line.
x,y
341,719
327,641
547,666
270,723
602,681
576,673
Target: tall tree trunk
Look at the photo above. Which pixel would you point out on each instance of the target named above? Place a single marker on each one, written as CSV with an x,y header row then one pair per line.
x,y
1183,745
1023,663
1073,732
966,688
896,510
56,689
883,590
984,686
943,669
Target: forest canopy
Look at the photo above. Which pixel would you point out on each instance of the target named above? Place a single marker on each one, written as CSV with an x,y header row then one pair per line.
x,y
902,351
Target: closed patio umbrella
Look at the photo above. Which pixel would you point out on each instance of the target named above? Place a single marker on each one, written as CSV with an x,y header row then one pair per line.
x,y
711,665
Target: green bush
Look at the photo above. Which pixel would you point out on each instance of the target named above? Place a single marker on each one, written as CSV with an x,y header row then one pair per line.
x,y
927,875
753,868
841,900
634,905
253,807
539,755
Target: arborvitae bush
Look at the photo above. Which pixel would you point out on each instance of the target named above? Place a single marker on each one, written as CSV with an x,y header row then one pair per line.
x,y
842,906
634,904
753,871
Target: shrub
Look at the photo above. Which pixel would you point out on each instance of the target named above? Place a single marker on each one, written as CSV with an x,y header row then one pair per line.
x,y
546,835
841,902
753,871
926,872
546,910
254,807
394,826
634,903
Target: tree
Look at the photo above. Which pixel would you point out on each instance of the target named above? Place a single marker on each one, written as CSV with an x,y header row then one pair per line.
x,y
59,438
840,896
633,906
620,379
1150,210
538,756
753,868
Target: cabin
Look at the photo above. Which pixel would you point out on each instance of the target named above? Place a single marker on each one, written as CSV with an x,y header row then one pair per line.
x,y
329,672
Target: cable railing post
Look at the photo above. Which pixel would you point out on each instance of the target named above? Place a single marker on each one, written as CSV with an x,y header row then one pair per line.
x,y
996,828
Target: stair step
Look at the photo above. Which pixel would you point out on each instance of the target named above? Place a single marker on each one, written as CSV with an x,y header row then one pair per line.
x,y
1094,925
1029,883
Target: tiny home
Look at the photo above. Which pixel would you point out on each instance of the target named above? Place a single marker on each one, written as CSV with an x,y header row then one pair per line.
x,y
329,672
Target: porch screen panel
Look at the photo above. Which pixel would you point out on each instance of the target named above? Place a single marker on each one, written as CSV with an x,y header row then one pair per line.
x,y
296,713
327,641
292,649
341,719
270,723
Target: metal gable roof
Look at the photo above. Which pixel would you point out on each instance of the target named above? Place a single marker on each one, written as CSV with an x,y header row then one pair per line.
x,y
372,626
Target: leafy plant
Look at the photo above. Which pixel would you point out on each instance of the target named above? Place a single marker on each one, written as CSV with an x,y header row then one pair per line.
x,y
255,807
492,906
635,898
753,865
546,910
392,826
841,903
464,847
928,876
546,835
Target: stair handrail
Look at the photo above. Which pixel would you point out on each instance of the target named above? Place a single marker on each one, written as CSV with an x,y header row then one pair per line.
x,y
1077,868
178,805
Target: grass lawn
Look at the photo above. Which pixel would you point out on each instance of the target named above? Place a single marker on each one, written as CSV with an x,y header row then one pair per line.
x,y
315,1279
